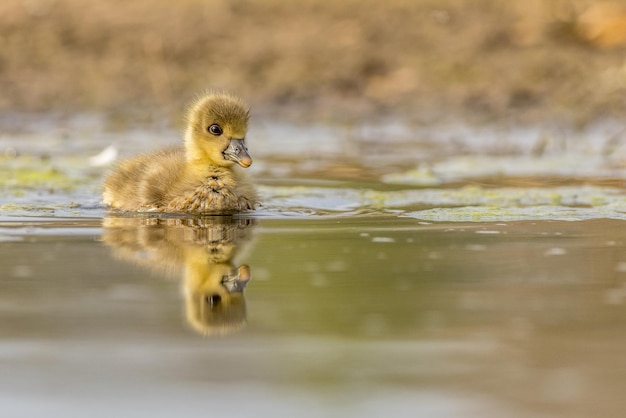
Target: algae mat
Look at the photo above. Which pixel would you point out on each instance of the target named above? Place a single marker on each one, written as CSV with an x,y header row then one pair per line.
x,y
447,174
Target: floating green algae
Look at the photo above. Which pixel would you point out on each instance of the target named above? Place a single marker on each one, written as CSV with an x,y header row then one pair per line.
x,y
29,178
509,214
52,181
339,199
61,185
27,173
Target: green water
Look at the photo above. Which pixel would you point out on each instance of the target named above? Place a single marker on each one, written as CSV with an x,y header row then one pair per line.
x,y
360,288
353,316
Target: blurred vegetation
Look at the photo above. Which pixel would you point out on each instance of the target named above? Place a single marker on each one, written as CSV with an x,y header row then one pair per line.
x,y
424,59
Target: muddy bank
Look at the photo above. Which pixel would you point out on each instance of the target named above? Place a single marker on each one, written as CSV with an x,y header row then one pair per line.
x,y
318,60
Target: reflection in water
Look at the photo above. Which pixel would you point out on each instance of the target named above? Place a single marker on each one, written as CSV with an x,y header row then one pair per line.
x,y
202,250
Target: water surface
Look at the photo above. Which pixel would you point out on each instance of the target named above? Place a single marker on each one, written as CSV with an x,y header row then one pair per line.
x,y
425,286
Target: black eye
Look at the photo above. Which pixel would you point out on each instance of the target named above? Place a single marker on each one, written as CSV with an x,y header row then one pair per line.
x,y
215,129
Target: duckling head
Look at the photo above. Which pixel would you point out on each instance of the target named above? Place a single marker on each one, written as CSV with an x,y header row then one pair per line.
x,y
216,131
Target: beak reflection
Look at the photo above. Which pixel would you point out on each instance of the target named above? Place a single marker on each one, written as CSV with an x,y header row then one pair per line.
x,y
200,251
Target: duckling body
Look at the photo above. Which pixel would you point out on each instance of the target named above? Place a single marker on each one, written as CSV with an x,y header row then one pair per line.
x,y
200,177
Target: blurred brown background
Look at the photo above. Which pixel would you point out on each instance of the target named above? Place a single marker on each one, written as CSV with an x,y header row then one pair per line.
x,y
314,59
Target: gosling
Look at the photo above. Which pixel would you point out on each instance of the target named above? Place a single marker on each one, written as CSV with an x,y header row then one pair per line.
x,y
200,177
